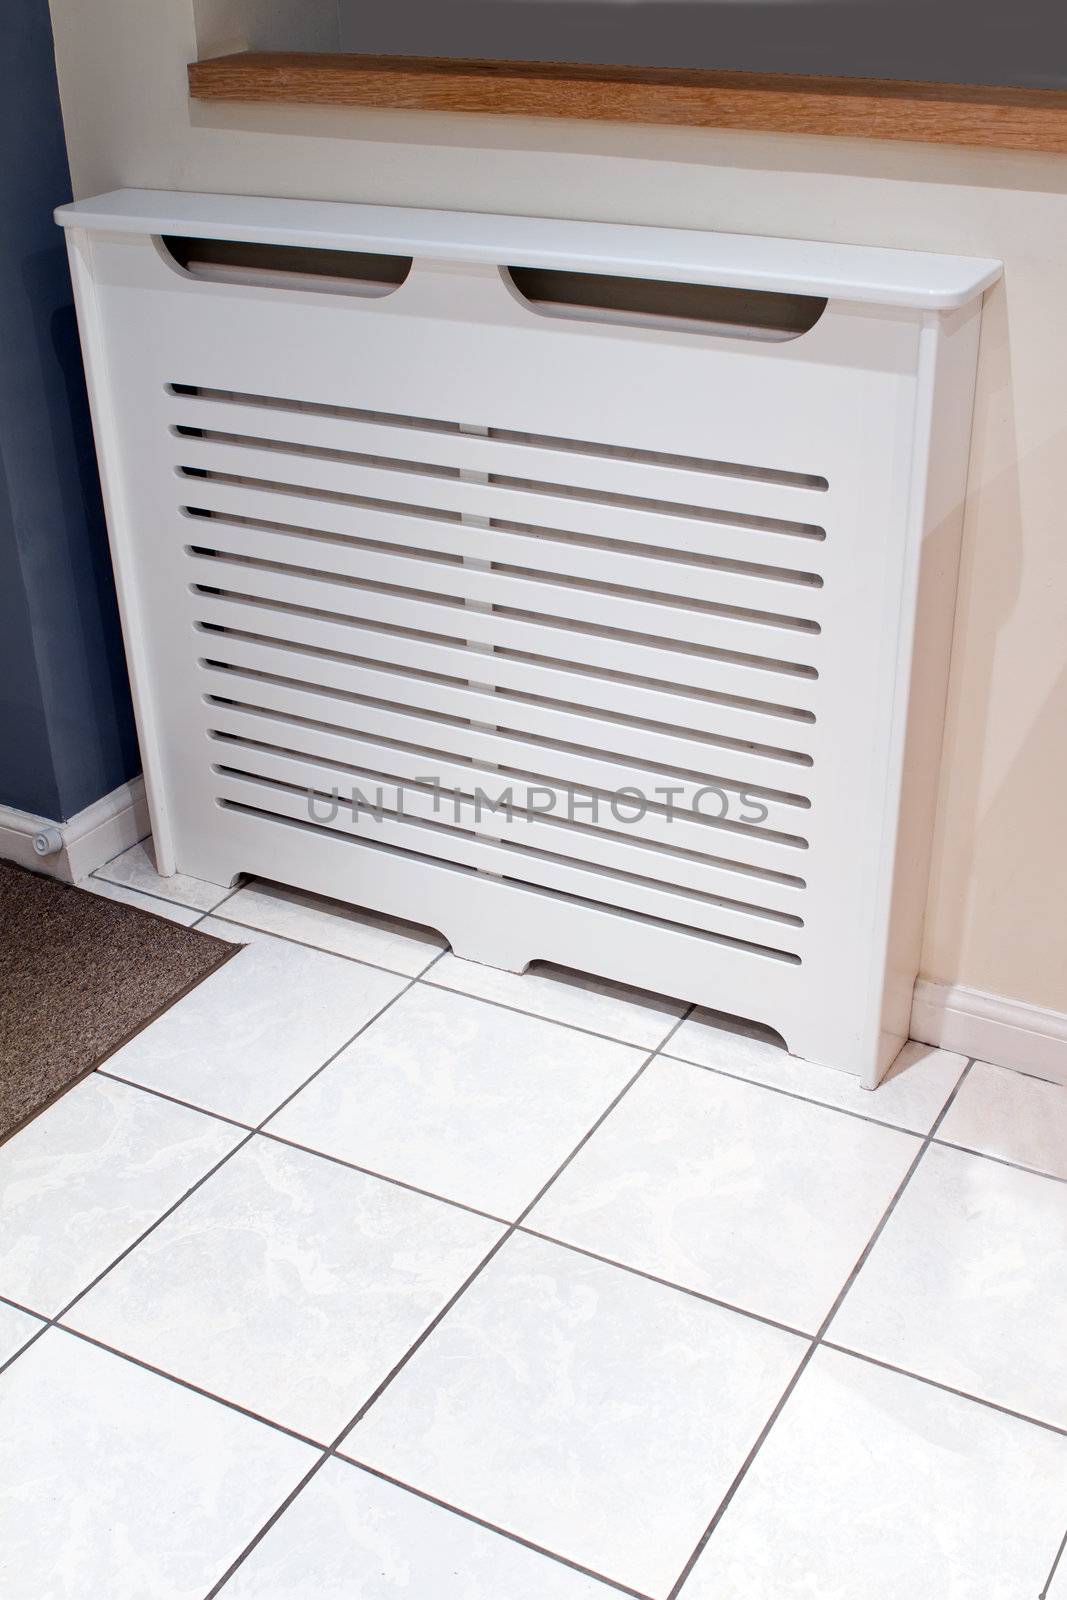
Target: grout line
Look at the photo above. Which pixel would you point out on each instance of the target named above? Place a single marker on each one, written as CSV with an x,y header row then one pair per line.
x,y
819,1336
228,896
185,1383
325,949
164,899
1016,1072
33,1338
441,1314
348,1042
430,1327
666,1283
945,1388
810,1100
331,1449
383,1177
145,894
174,1100
17,1305
238,886
492,1527
1054,1568
210,1173
53,1320
275,1515
584,1140
1001,1161
539,1016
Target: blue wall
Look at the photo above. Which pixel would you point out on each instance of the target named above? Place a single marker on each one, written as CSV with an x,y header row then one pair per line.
x,y
66,726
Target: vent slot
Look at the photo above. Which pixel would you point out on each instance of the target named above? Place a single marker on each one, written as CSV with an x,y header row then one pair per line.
x,y
284,266
655,303
233,398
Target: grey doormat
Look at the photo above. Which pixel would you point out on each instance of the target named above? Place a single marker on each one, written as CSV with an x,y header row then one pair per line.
x,y
79,975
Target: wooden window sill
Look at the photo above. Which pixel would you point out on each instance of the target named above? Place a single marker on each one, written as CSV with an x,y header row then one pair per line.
x,y
865,108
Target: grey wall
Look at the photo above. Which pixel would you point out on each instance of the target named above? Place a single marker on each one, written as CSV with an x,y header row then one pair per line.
x,y
960,41
66,727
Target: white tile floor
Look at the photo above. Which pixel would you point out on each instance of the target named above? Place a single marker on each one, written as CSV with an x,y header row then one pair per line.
x,y
365,1272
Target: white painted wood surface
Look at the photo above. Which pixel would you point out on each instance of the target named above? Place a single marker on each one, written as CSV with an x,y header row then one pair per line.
x,y
861,273
435,535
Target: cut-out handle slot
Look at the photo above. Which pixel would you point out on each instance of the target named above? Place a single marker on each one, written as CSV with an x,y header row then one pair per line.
x,y
650,302
285,266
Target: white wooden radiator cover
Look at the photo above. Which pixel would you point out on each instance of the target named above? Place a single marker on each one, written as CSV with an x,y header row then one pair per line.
x,y
435,536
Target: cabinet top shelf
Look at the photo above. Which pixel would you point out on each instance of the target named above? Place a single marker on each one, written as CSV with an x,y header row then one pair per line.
x,y
861,273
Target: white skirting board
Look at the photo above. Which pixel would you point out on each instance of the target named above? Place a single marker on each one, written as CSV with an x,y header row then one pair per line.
x,y
104,829
1006,1032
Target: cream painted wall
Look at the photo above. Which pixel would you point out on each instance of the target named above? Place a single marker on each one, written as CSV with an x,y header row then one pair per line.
x,y
223,26
996,918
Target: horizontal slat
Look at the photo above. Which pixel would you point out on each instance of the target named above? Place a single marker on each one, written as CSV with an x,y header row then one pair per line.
x,y
621,697
430,529
560,600
631,568
569,725
599,651
420,830
679,850
777,845
642,524
609,471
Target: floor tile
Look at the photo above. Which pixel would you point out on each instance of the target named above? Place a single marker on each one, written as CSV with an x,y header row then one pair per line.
x,y
911,1095
81,1181
136,869
871,1486
170,909
348,1534
722,1186
570,997
332,925
252,1032
1057,1589
17,1328
121,1484
590,1411
464,1099
287,1284
967,1284
1006,1114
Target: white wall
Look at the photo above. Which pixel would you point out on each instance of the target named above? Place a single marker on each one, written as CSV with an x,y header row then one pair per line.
x,y
996,919
224,26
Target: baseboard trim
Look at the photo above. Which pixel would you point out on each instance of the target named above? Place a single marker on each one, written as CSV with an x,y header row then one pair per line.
x,y
104,829
1008,1033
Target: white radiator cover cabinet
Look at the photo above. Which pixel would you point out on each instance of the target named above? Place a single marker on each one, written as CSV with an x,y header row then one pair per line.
x,y
436,536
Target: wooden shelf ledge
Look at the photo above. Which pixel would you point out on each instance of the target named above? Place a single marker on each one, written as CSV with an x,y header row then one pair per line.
x,y
865,108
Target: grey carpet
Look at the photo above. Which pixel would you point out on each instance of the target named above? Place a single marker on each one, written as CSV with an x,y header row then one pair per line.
x,y
79,975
